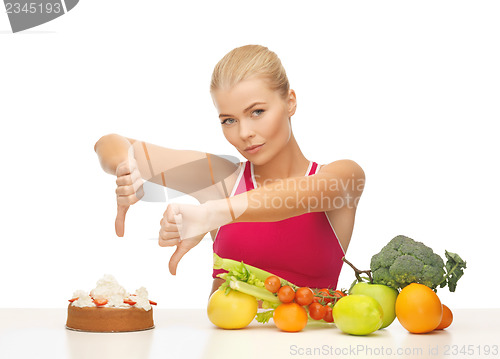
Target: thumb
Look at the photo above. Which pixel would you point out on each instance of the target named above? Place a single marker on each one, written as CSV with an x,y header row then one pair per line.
x,y
120,220
176,257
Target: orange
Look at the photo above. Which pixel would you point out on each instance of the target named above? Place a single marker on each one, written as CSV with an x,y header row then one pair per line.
x,y
447,318
290,317
418,308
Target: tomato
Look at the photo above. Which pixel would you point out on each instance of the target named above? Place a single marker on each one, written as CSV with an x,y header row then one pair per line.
x,y
418,308
272,283
286,294
290,317
337,295
323,296
317,311
232,311
304,296
447,318
358,314
328,315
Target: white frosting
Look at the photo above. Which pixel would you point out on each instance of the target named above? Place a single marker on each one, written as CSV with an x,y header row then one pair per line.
x,y
141,297
84,300
108,288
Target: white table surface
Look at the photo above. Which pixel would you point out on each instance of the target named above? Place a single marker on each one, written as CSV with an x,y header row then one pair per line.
x,y
187,333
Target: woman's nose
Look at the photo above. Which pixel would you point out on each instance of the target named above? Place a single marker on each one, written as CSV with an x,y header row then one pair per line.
x,y
246,129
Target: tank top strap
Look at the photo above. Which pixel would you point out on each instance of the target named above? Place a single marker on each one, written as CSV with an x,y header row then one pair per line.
x,y
313,168
244,182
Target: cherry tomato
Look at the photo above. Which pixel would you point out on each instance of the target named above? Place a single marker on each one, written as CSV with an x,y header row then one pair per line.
x,y
323,296
317,311
304,296
286,294
272,283
328,316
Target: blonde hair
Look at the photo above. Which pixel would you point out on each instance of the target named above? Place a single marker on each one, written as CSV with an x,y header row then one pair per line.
x,y
244,62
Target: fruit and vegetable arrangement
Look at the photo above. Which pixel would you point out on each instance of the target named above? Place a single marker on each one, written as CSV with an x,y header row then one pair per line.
x,y
402,283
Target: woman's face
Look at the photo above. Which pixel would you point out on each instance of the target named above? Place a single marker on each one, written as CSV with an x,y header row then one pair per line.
x,y
255,119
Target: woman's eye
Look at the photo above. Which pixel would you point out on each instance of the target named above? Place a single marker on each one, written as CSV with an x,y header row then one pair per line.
x,y
258,112
227,121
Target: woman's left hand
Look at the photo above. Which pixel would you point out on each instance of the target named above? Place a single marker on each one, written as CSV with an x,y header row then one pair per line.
x,y
184,226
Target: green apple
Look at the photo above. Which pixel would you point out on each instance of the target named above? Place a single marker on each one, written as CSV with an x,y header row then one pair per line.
x,y
385,295
357,314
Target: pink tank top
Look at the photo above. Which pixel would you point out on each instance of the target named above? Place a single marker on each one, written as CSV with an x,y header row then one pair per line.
x,y
303,250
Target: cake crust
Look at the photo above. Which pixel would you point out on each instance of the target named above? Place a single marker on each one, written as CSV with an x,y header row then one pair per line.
x,y
109,319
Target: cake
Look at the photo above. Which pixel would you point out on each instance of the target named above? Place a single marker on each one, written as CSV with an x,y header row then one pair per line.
x,y
109,308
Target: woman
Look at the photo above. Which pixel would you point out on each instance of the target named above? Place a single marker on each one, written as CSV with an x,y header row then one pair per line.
x,y
278,210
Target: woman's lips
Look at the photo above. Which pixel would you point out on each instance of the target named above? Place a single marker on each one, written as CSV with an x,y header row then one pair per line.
x,y
254,149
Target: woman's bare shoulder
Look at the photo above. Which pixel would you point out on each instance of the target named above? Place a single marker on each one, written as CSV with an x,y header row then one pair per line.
x,y
343,168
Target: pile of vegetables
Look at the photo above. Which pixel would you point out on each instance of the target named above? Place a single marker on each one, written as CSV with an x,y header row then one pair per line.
x,y
285,301
402,282
415,271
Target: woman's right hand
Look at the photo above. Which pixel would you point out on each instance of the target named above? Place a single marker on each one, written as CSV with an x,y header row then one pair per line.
x,y
129,191
184,226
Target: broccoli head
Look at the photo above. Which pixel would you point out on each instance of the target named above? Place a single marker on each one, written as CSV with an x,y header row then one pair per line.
x,y
403,261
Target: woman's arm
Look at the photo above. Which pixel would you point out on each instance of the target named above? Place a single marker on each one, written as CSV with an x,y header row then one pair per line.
x,y
338,185
201,175
111,151
196,173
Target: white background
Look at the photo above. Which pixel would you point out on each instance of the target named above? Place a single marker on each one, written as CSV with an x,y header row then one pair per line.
x,y
409,90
